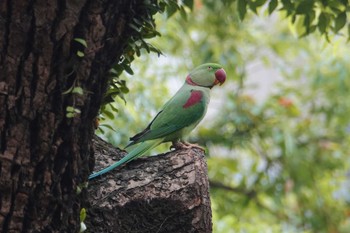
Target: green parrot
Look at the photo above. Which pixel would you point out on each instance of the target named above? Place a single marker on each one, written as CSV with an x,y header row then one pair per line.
x,y
179,116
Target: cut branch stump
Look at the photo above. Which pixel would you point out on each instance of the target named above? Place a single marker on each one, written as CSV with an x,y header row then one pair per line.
x,y
166,193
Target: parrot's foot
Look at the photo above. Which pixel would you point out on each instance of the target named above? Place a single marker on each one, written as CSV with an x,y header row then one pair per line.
x,y
185,145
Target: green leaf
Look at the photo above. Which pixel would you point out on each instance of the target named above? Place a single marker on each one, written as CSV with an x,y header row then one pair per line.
x,y
183,13
70,109
128,69
323,23
109,114
253,5
288,6
188,3
299,25
70,114
82,214
340,21
135,27
82,217
304,7
137,21
78,90
121,96
124,89
68,91
113,71
80,54
171,9
242,8
78,191
307,23
337,6
145,45
272,6
76,110
259,3
113,108
101,130
108,126
81,41
311,29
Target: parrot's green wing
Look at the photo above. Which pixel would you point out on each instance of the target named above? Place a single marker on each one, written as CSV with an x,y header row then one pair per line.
x,y
184,110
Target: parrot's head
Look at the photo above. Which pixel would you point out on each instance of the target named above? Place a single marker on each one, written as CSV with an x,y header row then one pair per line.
x,y
207,75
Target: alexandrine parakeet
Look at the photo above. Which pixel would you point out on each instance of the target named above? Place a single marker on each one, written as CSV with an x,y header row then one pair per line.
x,y
179,115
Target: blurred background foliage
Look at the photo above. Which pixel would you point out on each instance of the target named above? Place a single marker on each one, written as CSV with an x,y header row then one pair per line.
x,y
277,133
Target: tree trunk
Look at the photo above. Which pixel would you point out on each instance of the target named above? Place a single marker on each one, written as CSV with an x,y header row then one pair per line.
x,y
166,193
44,155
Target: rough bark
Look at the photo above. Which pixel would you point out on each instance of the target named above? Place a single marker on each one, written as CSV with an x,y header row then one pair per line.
x,y
165,193
44,156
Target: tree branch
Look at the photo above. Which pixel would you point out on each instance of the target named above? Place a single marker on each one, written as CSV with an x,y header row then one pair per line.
x,y
166,193
216,184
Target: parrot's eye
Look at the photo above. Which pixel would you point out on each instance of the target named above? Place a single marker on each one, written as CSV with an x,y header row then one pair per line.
x,y
210,68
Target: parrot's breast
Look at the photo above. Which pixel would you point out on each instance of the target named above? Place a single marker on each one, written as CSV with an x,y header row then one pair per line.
x,y
195,97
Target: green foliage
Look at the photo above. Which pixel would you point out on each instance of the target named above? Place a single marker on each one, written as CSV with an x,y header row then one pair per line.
x,y
82,219
293,152
305,15
71,111
83,43
75,89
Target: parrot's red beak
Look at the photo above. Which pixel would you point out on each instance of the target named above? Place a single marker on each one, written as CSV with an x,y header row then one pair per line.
x,y
220,76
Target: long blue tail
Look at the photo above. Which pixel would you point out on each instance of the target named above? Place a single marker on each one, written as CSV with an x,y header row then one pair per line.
x,y
135,153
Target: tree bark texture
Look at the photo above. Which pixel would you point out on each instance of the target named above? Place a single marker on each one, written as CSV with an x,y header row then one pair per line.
x,y
166,193
44,155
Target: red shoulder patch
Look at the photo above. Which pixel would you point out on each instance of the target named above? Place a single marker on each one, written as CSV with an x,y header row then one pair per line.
x,y
196,96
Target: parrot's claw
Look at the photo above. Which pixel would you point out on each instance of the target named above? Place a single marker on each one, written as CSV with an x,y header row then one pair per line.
x,y
185,145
